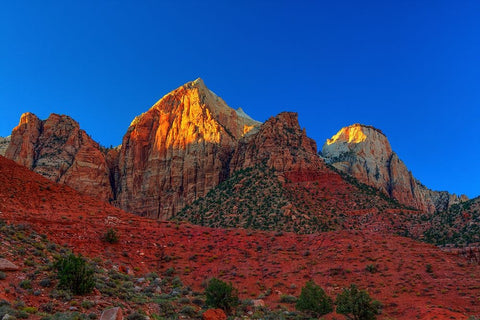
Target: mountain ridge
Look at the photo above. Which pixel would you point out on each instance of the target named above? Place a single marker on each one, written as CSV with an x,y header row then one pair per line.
x,y
190,140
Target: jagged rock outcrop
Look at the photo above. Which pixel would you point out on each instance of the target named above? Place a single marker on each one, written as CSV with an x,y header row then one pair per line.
x,y
4,142
365,153
178,150
58,149
281,144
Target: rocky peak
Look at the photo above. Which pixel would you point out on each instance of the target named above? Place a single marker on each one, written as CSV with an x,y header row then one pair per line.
x,y
58,149
280,143
178,150
365,153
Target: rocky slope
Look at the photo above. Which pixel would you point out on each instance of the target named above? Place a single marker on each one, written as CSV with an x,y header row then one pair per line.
x,y
395,270
177,151
58,149
365,153
278,182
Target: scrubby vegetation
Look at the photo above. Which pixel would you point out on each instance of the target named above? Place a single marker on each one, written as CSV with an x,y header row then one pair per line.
x,y
75,274
458,226
314,300
256,198
221,295
357,304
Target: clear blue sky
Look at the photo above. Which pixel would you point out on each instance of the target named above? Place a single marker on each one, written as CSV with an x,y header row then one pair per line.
x,y
410,68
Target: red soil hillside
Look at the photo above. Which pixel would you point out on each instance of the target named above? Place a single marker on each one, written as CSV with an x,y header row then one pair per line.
x,y
257,263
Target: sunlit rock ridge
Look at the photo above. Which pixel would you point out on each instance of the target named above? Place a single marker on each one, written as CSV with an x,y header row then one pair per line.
x,y
365,153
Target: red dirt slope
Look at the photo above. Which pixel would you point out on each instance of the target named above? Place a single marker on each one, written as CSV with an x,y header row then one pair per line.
x,y
256,262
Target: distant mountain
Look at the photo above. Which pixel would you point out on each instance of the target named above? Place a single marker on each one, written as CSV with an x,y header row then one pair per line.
x,y
365,153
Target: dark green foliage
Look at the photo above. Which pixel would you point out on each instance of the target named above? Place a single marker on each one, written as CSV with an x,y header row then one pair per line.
x,y
111,236
314,300
221,295
136,316
372,268
357,304
429,268
75,274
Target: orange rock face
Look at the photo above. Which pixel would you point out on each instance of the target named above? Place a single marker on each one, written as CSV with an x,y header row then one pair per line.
x,y
177,151
365,153
58,149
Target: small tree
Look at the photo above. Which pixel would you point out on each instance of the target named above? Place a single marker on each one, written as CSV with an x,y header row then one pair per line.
x,y
75,274
314,300
111,236
221,295
357,304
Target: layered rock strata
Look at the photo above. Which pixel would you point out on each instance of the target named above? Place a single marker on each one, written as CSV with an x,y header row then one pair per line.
x,y
58,149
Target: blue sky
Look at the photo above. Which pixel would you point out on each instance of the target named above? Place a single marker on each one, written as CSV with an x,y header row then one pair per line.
x,y
410,68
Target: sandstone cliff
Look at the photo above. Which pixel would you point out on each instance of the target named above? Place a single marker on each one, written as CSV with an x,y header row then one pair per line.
x,y
58,149
365,153
4,145
177,151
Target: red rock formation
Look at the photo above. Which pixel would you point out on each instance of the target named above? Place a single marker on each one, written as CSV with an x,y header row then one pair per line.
x,y
58,149
177,151
281,144
365,153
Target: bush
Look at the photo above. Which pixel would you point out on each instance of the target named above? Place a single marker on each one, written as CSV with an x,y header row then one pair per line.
x,y
75,274
221,295
136,316
357,304
314,300
111,236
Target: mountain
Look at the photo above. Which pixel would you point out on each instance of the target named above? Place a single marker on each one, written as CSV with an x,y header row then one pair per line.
x,y
191,141
58,149
365,153
177,151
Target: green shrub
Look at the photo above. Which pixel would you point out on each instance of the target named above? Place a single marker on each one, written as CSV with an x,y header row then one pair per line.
x,y
357,304
286,298
221,295
136,316
314,300
75,274
25,284
111,236
372,268
429,268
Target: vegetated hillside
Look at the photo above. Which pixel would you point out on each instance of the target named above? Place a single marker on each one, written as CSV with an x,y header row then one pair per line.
x,y
260,197
411,279
458,226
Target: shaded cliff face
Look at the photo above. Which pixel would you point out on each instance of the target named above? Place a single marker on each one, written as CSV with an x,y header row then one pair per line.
x,y
177,151
365,153
281,144
58,149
